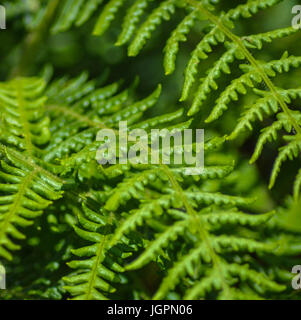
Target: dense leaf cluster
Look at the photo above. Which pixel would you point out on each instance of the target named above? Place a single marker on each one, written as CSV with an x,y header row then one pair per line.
x,y
92,231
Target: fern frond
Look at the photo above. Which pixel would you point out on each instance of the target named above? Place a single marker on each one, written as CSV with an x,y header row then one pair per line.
x,y
96,273
164,12
25,125
250,79
106,108
26,190
244,273
290,151
28,185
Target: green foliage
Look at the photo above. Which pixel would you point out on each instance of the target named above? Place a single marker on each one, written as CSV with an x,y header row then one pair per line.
x,y
217,30
220,234
27,188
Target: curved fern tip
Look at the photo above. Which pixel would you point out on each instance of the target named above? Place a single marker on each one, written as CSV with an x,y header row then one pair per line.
x,y
191,112
132,53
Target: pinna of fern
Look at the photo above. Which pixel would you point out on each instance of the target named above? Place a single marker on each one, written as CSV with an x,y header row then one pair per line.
x,y
98,269
27,185
266,105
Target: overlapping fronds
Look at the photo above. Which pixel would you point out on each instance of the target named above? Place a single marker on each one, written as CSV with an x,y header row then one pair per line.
x,y
201,261
83,109
139,25
123,200
125,207
200,236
